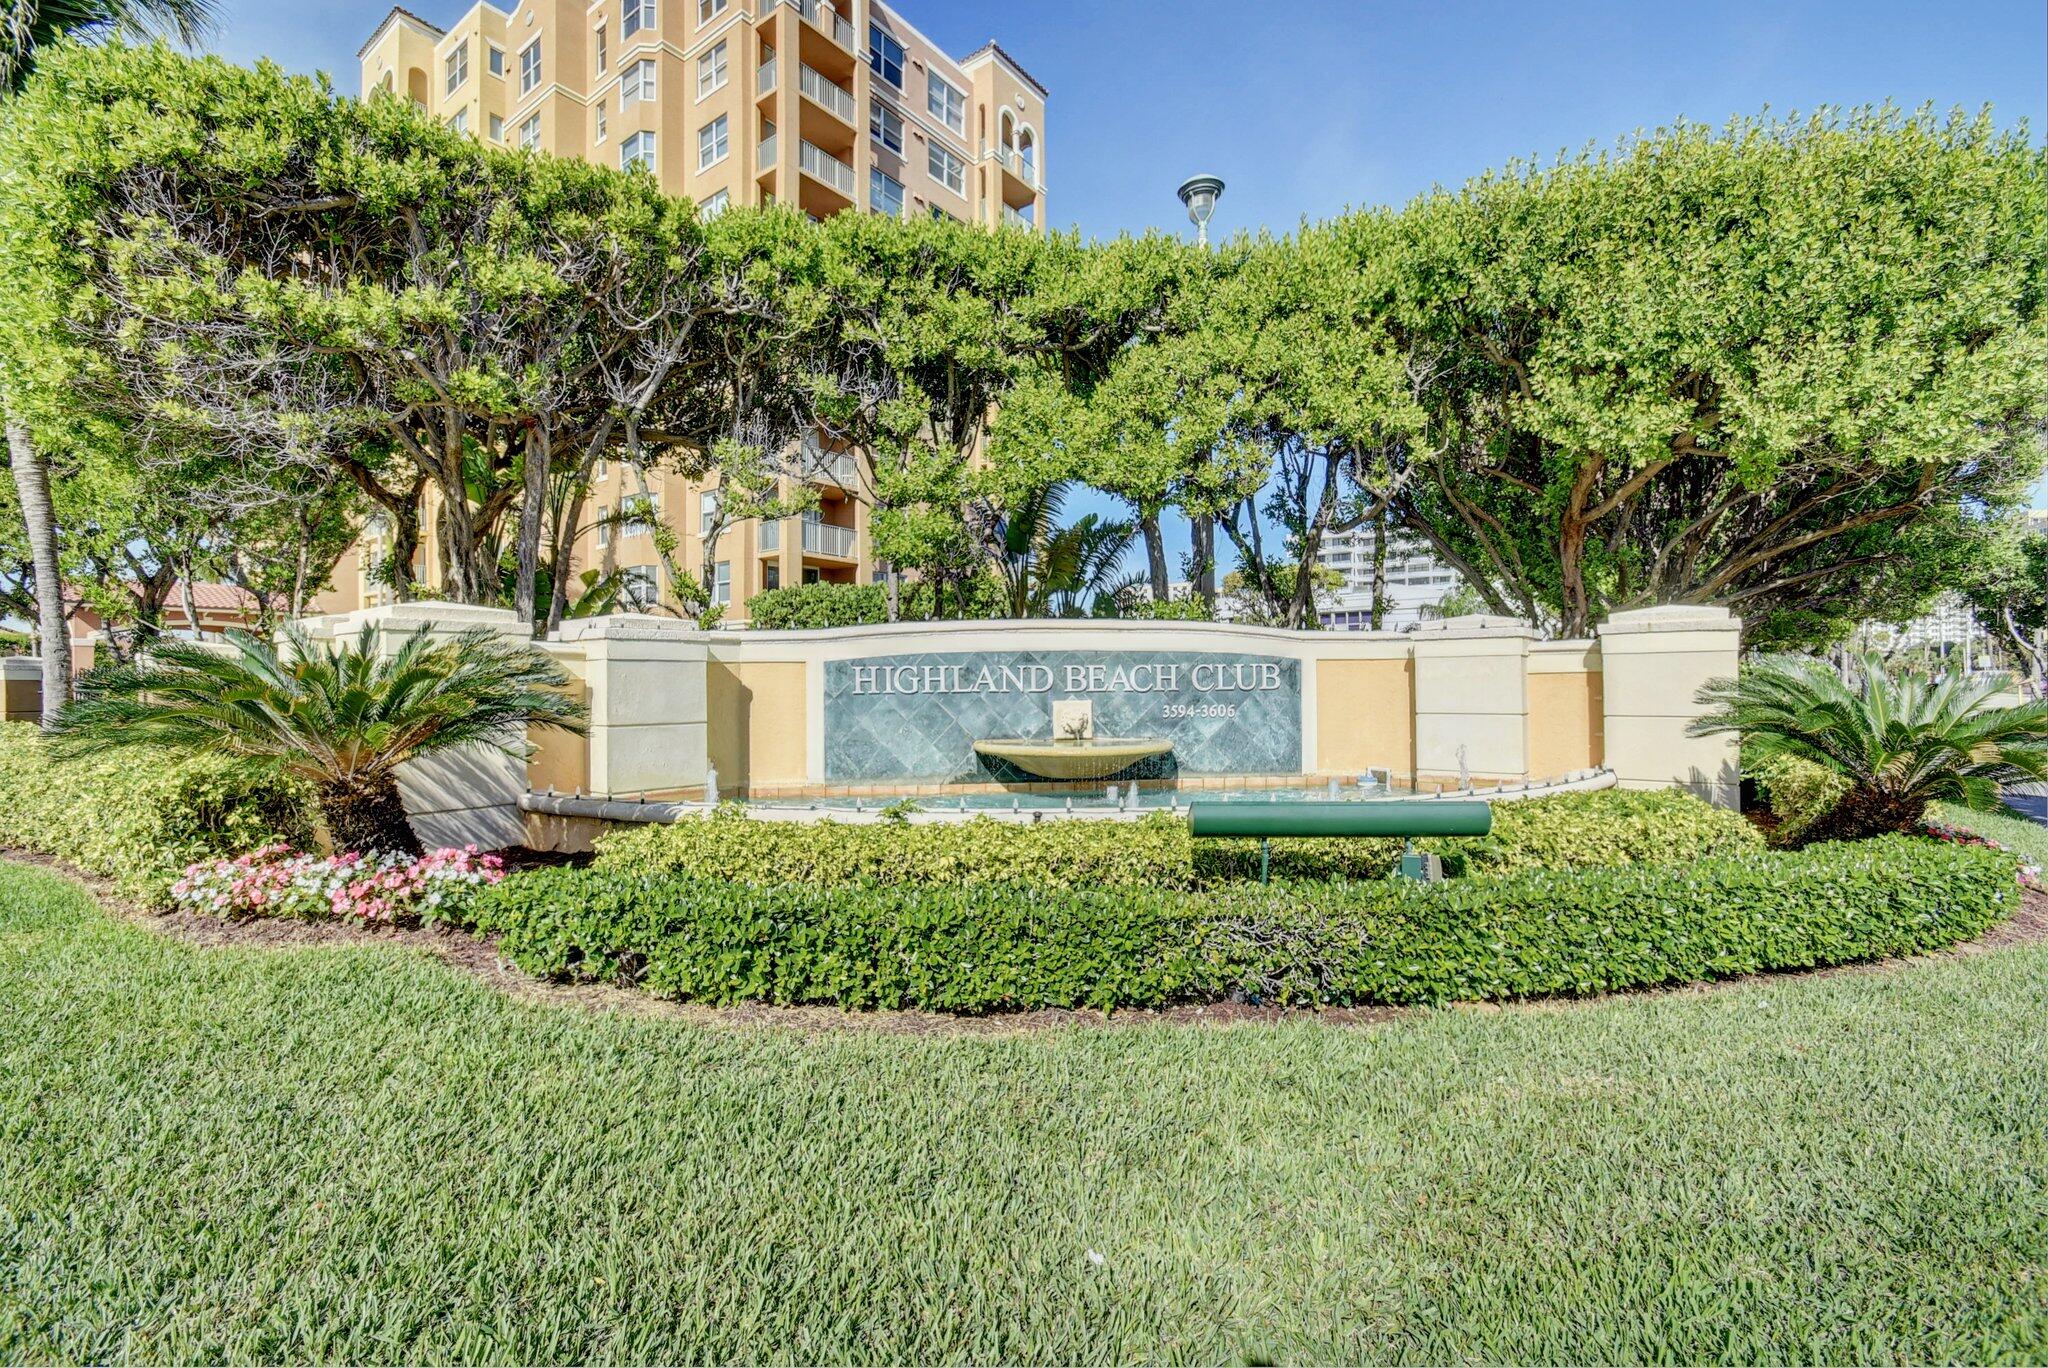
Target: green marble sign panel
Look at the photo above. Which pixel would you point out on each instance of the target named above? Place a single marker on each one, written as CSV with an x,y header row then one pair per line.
x,y
917,716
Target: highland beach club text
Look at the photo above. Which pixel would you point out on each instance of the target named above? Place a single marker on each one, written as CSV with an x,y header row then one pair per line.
x,y
1257,676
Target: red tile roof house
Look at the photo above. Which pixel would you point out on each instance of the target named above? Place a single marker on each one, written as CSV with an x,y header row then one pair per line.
x,y
219,607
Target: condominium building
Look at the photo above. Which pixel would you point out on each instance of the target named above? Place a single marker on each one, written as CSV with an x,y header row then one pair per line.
x,y
829,105
1416,580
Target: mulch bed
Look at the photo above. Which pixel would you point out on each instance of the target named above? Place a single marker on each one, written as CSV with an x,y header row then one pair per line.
x,y
459,950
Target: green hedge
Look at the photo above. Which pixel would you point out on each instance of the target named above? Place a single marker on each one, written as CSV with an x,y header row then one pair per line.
x,y
1580,830
990,947
140,816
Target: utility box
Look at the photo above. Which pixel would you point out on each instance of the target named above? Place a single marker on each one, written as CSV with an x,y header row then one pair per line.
x,y
21,689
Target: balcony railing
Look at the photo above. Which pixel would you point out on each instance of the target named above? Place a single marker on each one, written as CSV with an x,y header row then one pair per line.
x,y
770,538
767,157
764,77
819,13
1015,218
1023,167
823,539
823,91
816,464
821,165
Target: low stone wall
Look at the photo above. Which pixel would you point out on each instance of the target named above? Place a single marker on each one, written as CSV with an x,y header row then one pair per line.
x,y
874,712
21,689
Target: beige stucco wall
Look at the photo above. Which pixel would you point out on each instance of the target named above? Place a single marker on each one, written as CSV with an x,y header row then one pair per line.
x,y
758,723
1365,717
21,689
1567,725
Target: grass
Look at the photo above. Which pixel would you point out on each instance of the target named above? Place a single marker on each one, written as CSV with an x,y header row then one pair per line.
x,y
2028,840
361,1154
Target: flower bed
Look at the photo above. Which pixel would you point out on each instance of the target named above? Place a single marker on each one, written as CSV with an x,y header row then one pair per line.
x,y
389,889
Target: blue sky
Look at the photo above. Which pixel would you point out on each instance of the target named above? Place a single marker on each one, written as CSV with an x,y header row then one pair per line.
x,y
1307,106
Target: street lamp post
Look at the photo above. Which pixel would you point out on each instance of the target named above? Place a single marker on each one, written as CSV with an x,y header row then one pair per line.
x,y
1199,194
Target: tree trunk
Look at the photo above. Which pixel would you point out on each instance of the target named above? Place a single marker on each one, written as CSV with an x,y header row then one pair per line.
x,y
1379,575
1155,557
895,592
367,817
32,483
1204,525
532,512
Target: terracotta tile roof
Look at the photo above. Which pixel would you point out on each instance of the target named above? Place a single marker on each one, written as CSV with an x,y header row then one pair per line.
x,y
397,12
992,46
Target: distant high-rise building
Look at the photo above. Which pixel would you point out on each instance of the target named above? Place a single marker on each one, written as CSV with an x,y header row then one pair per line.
x,y
1416,580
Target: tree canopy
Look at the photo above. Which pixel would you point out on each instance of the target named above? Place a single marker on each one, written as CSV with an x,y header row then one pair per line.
x,y
1791,366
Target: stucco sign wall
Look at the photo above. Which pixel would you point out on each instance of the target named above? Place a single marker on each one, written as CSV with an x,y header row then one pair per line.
x,y
918,716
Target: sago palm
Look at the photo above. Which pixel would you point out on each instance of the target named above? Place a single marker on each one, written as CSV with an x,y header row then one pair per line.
x,y
1900,742
344,715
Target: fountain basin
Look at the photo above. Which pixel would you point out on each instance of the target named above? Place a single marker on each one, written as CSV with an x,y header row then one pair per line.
x,y
1085,759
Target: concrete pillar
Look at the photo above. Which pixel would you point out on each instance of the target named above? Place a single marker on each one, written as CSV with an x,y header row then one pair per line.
x,y
1472,691
460,797
649,687
1654,662
21,689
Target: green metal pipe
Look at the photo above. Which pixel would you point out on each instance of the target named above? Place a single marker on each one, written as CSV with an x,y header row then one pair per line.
x,y
1427,817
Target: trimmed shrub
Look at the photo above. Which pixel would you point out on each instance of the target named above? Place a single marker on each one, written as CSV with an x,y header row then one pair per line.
x,y
1569,831
988,948
140,817
804,607
1798,792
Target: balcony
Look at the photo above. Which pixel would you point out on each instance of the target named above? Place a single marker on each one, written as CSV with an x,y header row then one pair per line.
x,y
819,13
770,538
819,466
1013,218
825,539
766,160
825,93
826,169
764,78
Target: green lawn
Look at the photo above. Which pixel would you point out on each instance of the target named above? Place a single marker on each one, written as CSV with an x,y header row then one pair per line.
x,y
361,1154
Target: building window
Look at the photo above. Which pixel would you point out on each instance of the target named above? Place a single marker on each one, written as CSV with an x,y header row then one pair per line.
x,y
603,51
529,67
529,133
497,128
637,150
885,125
885,194
771,576
947,105
948,170
460,123
708,512
636,83
600,120
639,511
707,10
711,71
497,59
716,205
458,66
642,585
639,15
604,527
885,55
721,583
939,213
712,142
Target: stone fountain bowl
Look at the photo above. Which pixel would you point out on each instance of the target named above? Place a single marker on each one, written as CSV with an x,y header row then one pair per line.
x,y
1089,759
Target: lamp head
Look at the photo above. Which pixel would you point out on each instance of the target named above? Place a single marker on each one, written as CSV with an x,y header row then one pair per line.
x,y
1199,194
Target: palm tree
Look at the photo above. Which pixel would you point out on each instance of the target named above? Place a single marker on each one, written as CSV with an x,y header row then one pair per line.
x,y
27,27
1054,571
1900,742
343,715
